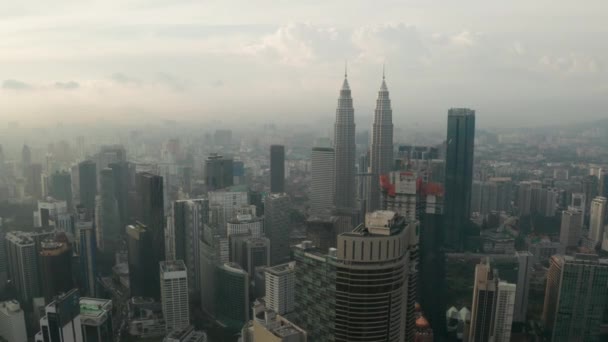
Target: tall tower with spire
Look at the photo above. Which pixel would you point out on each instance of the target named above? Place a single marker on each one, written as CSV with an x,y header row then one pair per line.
x,y
344,148
382,144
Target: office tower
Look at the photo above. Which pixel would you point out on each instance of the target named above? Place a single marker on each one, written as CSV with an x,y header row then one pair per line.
x,y
209,260
151,214
174,294
62,321
322,179
524,274
268,326
229,202
458,174
277,168
108,227
218,172
109,154
323,229
231,296
345,149
245,223
87,177
142,262
55,267
280,287
186,335
189,218
315,291
3,257
492,307
597,216
34,180
570,230
22,254
382,144
26,158
276,226
48,212
122,185
61,188
578,201
373,259
399,193
575,297
96,319
12,322
87,253
250,252
603,183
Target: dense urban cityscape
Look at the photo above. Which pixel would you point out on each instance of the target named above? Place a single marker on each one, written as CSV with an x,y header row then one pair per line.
x,y
228,200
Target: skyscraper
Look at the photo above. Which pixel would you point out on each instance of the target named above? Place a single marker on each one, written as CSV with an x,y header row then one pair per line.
x,y
61,188
108,227
277,168
62,322
143,270
174,295
492,308
570,230
322,179
218,172
575,297
189,218
458,174
122,186
382,145
597,216
87,176
87,253
231,296
151,214
524,274
55,268
277,228
22,255
345,149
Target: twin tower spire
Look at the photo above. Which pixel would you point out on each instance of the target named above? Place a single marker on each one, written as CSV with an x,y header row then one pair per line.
x,y
380,153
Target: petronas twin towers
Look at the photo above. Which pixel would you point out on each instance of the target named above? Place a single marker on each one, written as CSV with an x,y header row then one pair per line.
x,y
381,152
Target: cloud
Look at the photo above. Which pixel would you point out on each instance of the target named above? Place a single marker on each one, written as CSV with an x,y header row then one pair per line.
x,y
217,83
299,44
399,42
172,81
15,85
121,78
69,85
572,64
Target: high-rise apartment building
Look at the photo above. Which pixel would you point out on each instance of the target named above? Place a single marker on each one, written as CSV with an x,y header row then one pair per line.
x,y
218,172
277,168
12,322
174,295
575,297
458,174
22,253
597,219
87,178
524,274
381,152
280,288
345,149
322,179
151,214
492,307
189,217
276,226
570,230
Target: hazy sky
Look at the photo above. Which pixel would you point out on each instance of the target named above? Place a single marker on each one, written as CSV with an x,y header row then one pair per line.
x,y
516,62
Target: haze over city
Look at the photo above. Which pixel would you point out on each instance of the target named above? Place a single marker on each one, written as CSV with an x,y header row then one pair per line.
x,y
518,63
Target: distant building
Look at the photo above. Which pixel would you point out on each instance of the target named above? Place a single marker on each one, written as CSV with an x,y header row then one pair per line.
x,y
145,318
575,297
218,172
189,217
322,179
524,275
87,252
458,174
345,149
571,230
542,249
174,295
222,137
87,176
61,188
108,227
597,218
280,284
399,193
277,168
12,322
323,229
245,223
